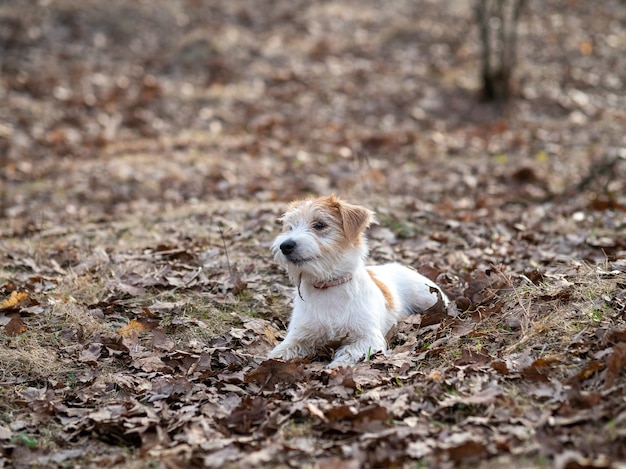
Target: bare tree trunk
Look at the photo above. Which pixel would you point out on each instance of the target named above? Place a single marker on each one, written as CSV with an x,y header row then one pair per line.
x,y
498,20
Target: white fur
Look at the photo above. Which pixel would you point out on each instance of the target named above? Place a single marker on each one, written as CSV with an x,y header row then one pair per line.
x,y
354,312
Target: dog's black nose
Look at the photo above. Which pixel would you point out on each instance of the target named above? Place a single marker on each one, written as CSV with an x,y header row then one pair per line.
x,y
287,247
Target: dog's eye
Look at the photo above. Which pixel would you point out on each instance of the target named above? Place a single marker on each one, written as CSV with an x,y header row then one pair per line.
x,y
319,225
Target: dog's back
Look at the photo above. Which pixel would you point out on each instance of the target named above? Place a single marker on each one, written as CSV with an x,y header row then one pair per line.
x,y
414,292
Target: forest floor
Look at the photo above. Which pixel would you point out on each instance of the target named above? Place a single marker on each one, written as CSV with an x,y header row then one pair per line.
x,y
146,152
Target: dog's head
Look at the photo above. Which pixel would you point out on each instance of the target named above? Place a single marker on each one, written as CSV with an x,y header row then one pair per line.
x,y
322,238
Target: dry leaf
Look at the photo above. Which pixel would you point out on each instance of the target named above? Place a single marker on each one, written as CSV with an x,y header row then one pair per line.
x,y
15,327
5,433
135,327
14,300
273,372
615,363
151,363
91,353
161,341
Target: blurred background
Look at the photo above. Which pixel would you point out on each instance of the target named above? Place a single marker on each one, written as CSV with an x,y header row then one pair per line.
x,y
125,106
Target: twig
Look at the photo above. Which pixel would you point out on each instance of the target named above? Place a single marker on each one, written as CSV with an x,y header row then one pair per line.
x,y
219,227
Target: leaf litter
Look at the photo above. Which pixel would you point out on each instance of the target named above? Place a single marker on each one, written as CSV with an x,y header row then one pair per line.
x,y
138,298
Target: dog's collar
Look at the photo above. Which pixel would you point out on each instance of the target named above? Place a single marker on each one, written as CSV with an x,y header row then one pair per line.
x,y
333,283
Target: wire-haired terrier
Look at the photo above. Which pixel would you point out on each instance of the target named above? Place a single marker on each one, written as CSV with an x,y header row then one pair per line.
x,y
339,299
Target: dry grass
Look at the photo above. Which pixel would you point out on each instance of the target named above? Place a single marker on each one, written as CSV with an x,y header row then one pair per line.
x,y
34,357
536,320
198,321
546,318
44,353
38,352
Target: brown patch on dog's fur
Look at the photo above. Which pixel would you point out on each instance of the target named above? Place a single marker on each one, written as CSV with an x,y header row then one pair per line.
x,y
384,289
354,219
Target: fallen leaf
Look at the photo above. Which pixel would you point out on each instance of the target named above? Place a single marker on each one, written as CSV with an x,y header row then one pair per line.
x,y
436,313
551,390
57,458
164,387
15,327
91,353
483,287
14,300
161,341
250,413
151,363
589,370
134,327
270,335
470,450
273,372
500,367
350,413
469,357
339,463
536,371
108,413
483,397
5,433
315,411
344,376
614,364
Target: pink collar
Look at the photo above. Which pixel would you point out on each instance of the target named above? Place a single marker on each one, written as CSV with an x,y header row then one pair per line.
x,y
333,283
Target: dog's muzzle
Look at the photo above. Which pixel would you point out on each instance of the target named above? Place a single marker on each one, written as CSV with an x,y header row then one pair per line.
x,y
289,250
288,247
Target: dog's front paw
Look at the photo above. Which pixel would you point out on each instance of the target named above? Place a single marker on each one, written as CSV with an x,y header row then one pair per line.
x,y
285,351
345,356
349,355
337,363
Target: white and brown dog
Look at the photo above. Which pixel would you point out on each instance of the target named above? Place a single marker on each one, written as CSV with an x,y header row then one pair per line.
x,y
323,247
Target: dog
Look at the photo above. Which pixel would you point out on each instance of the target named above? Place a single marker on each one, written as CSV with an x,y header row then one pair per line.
x,y
323,248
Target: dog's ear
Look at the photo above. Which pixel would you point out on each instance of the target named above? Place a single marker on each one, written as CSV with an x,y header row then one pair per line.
x,y
355,220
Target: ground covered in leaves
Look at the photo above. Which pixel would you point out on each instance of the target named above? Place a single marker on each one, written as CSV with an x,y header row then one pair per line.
x,y
147,149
